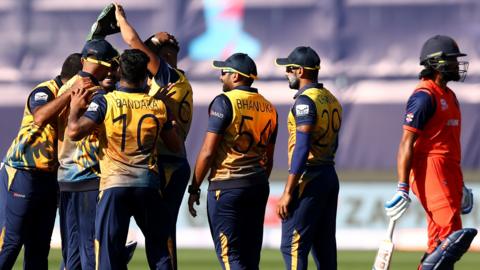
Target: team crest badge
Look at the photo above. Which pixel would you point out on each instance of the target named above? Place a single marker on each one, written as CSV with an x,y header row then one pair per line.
x,y
443,104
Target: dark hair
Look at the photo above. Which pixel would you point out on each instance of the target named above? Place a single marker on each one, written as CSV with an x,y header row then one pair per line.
x,y
427,73
71,66
156,47
246,80
133,66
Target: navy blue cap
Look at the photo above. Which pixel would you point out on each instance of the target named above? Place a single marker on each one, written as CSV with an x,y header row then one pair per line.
x,y
301,56
439,47
240,63
99,51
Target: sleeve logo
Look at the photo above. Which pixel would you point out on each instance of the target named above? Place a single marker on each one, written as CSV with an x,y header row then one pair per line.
x,y
409,117
93,107
40,96
216,114
302,109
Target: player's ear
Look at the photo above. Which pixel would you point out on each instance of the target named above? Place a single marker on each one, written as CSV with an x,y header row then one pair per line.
x,y
236,77
301,72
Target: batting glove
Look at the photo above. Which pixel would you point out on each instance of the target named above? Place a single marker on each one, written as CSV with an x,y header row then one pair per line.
x,y
467,200
395,207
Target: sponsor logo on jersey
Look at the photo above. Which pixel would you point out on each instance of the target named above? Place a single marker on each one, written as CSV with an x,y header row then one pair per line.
x,y
302,109
453,122
40,96
216,114
93,107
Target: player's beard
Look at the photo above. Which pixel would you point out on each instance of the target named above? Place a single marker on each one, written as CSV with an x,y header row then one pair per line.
x,y
226,88
293,81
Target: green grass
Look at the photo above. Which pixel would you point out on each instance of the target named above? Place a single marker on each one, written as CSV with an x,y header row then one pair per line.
x,y
203,259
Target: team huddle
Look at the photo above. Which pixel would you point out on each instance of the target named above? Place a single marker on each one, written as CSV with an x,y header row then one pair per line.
x,y
105,141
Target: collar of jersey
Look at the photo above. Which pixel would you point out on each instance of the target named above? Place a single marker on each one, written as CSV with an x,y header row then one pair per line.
x,y
130,90
246,88
82,73
58,81
308,86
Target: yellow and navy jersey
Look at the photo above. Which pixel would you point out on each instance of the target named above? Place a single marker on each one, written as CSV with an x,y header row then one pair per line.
x,y
35,147
180,105
79,168
130,124
315,105
248,123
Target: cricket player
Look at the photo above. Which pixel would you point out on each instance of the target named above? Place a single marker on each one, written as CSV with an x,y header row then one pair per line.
x,y
29,174
163,47
238,150
308,205
78,174
129,122
429,156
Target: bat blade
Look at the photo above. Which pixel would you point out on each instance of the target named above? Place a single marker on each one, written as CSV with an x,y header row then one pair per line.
x,y
384,255
385,251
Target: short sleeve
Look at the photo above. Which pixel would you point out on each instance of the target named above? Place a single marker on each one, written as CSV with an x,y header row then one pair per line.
x,y
219,114
97,109
304,111
39,97
420,109
165,74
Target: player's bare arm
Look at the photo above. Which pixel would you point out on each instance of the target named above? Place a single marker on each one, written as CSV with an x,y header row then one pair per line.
x,y
405,155
203,164
292,182
133,40
78,126
43,115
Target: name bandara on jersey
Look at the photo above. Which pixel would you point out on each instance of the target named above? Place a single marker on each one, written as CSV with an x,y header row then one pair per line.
x,y
248,125
130,124
35,147
327,120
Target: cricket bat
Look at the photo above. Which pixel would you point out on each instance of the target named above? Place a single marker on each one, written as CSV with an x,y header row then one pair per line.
x,y
385,251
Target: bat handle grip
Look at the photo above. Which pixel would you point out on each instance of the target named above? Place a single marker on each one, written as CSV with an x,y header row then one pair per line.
x,y
391,227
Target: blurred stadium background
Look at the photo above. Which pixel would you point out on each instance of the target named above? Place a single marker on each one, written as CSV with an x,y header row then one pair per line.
x,y
369,51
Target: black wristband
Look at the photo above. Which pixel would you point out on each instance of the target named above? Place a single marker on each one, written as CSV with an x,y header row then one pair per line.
x,y
193,190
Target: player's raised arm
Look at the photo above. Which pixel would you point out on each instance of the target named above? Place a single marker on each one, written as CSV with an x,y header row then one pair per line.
x,y
131,37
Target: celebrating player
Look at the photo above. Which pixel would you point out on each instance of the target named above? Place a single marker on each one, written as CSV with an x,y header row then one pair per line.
x,y
238,151
130,121
428,157
78,174
179,99
29,179
308,205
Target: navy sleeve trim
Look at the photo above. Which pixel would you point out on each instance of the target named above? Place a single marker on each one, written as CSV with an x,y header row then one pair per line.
x,y
304,111
220,114
97,109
